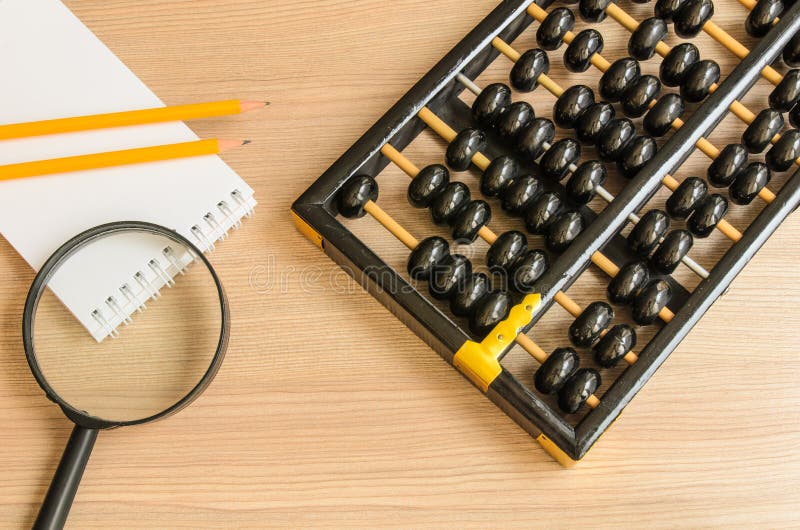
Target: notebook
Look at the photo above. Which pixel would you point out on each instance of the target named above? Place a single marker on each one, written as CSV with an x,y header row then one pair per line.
x,y
53,66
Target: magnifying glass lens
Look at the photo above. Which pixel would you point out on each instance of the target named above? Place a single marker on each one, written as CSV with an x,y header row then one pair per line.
x,y
101,364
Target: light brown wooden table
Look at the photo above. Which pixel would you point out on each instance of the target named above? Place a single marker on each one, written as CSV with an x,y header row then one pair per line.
x,y
328,412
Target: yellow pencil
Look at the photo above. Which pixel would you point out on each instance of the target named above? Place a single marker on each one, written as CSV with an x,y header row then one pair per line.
x,y
123,119
117,158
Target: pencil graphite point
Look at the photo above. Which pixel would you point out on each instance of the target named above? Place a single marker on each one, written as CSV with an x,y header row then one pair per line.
x,y
246,142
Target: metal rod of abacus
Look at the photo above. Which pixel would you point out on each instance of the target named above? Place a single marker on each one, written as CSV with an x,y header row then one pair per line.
x,y
488,235
481,161
602,64
723,226
397,230
599,189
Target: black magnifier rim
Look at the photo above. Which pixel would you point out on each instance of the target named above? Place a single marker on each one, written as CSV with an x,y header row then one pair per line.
x,y
49,268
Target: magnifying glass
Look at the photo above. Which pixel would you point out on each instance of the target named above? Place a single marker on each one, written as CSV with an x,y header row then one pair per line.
x,y
147,370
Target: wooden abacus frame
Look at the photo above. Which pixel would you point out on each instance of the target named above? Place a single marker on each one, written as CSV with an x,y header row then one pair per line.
x,y
316,216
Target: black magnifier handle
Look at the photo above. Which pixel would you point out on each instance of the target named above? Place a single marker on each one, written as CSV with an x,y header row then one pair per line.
x,y
56,505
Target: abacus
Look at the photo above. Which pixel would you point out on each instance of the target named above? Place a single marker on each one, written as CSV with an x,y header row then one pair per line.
x,y
550,175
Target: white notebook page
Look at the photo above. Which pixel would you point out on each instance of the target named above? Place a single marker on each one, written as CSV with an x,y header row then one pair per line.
x,y
53,66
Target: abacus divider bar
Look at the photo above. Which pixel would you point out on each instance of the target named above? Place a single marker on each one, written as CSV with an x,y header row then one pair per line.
x,y
667,339
723,226
602,64
677,149
480,160
706,147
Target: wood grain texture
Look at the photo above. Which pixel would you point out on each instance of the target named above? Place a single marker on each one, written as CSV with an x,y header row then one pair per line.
x,y
327,411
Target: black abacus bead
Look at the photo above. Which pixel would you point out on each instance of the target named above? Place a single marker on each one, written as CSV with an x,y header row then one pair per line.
x,y
666,9
427,185
707,215
750,181
785,151
677,62
533,138
527,69
794,116
555,161
489,311
490,104
527,271
646,234
759,20
500,172
587,327
758,134
614,345
470,220
615,138
542,212
463,148
636,155
475,288
649,303
787,93
791,52
518,195
577,390
582,184
570,104
592,122
563,231
505,251
672,250
691,16
425,255
553,28
517,116
637,98
556,370
644,39
618,78
698,80
448,276
593,10
628,283
723,170
658,120
686,197
355,193
449,202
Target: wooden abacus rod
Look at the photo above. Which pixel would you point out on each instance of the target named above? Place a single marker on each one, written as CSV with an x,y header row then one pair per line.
x,y
479,159
601,191
599,62
669,181
488,235
411,242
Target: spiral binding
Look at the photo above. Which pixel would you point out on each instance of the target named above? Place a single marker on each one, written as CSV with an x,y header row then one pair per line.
x,y
209,230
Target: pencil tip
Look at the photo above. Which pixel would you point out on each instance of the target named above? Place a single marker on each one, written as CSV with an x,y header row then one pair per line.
x,y
246,142
266,103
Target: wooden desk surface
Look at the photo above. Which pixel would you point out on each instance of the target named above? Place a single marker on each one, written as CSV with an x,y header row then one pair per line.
x,y
328,412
